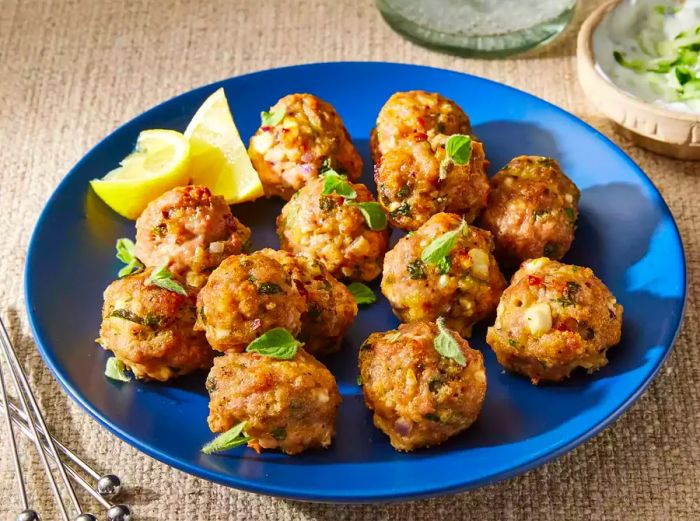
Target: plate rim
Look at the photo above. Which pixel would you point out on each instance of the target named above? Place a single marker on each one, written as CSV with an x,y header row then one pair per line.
x,y
232,480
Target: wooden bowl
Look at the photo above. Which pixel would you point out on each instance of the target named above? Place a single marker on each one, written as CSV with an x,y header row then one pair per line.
x,y
661,130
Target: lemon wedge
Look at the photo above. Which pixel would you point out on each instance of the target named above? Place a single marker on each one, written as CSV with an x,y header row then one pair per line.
x,y
158,163
218,158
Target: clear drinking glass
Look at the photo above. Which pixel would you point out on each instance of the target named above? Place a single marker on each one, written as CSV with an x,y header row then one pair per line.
x,y
487,28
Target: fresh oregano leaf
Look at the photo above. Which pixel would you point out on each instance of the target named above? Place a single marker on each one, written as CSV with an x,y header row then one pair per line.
x,y
276,343
234,437
446,344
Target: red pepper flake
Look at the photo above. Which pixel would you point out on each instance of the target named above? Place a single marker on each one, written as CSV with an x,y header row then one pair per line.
x,y
420,136
265,128
569,324
285,130
534,280
421,122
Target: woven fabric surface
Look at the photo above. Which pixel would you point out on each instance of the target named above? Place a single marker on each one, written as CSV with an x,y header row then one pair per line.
x,y
72,70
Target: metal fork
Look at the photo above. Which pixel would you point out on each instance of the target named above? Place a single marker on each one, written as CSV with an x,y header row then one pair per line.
x,y
26,415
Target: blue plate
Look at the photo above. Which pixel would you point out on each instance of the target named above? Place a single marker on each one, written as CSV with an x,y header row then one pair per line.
x,y
626,234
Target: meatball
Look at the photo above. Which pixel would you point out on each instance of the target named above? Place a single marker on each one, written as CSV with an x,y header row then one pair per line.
x,y
296,148
415,112
287,404
332,230
331,308
532,210
415,182
191,231
464,287
246,296
419,397
554,318
149,329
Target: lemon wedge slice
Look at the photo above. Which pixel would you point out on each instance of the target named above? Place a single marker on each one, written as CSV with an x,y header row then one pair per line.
x,y
218,157
158,163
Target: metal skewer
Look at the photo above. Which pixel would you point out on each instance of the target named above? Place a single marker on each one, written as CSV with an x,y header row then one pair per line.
x,y
108,486
28,514
114,512
11,360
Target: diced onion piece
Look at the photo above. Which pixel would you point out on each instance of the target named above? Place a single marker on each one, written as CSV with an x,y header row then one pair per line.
x,y
480,260
216,247
262,142
538,318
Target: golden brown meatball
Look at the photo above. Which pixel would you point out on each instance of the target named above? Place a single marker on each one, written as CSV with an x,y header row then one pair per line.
x,y
149,329
287,404
289,153
532,210
415,112
464,289
331,308
191,231
331,230
246,296
414,184
419,397
554,318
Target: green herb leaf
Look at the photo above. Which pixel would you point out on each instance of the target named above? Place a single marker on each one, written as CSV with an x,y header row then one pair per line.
x,y
279,433
116,370
334,183
276,343
269,288
444,265
126,252
446,344
416,269
362,293
373,214
234,437
459,148
442,246
270,119
403,209
570,214
162,278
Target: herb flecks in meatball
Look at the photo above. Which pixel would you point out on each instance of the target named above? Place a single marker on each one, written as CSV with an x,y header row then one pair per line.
x,y
460,280
554,318
149,329
419,397
532,210
305,135
331,308
417,180
334,230
190,231
288,405
246,296
417,115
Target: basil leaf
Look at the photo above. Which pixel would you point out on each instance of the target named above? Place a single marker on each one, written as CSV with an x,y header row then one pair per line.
x,y
276,343
334,183
116,370
362,293
162,278
234,437
570,214
446,344
459,148
373,214
126,252
442,246
270,119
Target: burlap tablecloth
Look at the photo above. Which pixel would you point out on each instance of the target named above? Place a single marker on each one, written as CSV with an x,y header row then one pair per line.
x,y
72,70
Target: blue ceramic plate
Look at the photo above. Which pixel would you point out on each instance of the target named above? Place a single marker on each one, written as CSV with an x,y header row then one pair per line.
x,y
626,234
